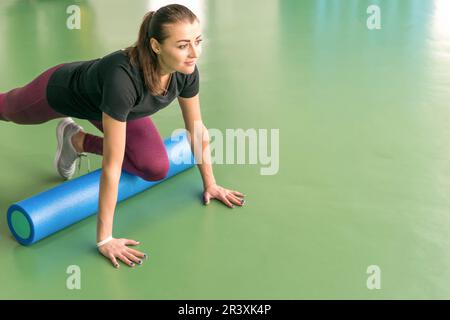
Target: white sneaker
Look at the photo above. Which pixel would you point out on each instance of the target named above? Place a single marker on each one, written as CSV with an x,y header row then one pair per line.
x,y
66,155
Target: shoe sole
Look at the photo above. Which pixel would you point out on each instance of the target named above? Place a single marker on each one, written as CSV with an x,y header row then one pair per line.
x,y
60,138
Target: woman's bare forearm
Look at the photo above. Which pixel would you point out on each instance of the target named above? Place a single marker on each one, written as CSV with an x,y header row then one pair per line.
x,y
205,166
109,183
203,160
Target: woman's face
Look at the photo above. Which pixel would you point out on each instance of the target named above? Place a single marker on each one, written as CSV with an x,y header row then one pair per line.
x,y
180,51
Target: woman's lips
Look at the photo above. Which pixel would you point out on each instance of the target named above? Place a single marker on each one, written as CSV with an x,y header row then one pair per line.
x,y
190,63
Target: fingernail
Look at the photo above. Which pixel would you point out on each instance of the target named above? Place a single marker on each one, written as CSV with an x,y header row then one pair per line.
x,y
145,256
132,264
140,261
117,265
243,201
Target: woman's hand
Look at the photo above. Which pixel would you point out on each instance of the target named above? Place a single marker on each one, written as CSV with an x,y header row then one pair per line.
x,y
117,248
228,197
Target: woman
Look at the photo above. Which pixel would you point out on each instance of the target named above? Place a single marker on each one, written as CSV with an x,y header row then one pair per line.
x,y
117,93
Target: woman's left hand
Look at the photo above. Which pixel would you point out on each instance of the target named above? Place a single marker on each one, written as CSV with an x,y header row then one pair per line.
x,y
228,197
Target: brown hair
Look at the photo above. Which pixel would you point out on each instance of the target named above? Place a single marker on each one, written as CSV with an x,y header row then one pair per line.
x,y
154,26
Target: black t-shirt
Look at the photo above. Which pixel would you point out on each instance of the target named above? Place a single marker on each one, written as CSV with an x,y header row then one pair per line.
x,y
112,85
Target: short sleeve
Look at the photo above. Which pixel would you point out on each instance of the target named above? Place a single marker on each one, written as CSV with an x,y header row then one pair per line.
x,y
118,93
191,85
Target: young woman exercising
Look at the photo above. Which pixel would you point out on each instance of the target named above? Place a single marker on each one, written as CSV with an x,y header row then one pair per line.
x,y
117,93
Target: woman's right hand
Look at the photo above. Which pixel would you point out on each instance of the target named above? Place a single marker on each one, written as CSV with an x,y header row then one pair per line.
x,y
118,248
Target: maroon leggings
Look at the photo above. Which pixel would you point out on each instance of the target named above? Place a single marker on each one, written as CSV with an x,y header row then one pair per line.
x,y
145,154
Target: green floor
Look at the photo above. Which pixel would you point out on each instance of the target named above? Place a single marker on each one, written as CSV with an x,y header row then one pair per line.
x,y
364,177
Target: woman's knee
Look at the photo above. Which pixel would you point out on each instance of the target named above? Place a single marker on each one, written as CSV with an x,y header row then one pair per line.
x,y
154,170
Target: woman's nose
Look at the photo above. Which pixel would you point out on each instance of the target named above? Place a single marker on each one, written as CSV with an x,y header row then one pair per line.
x,y
194,52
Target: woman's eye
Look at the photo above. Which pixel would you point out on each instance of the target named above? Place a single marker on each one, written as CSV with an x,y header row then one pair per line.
x,y
185,45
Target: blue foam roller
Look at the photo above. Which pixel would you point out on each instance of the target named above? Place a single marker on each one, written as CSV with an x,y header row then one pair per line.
x,y
41,215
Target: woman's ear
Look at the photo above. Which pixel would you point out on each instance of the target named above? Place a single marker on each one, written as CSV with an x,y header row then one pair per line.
x,y
154,45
